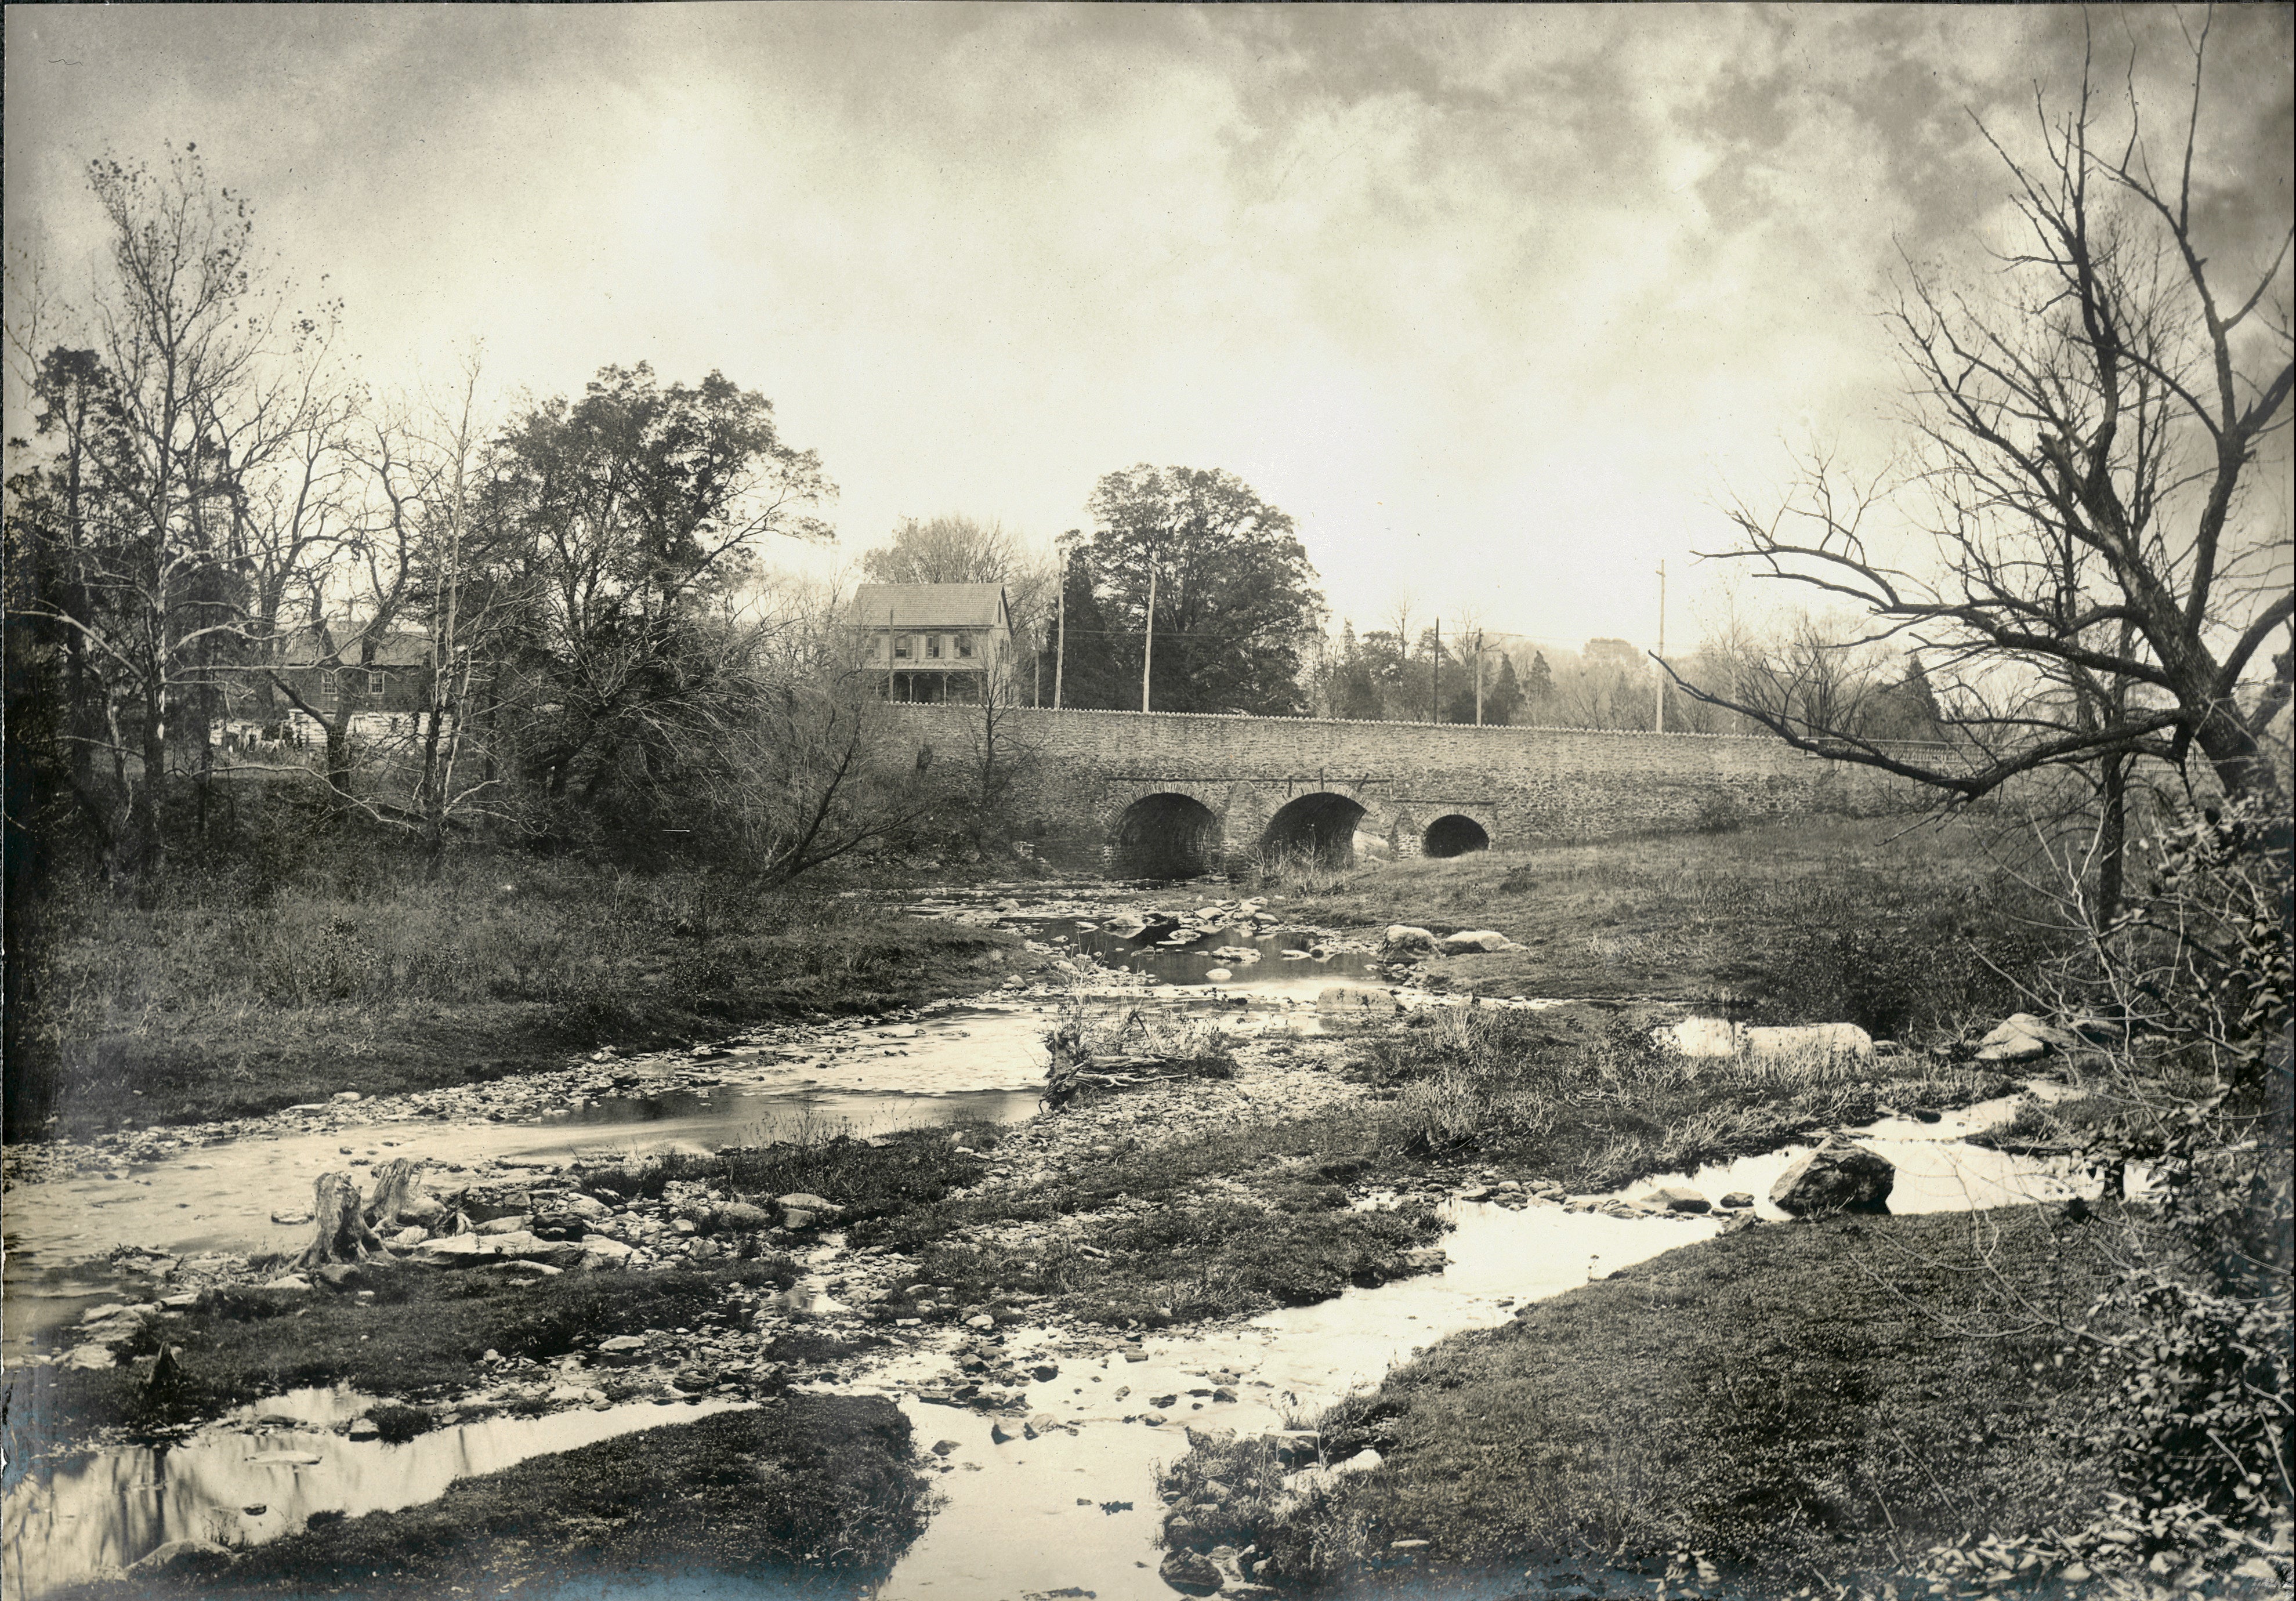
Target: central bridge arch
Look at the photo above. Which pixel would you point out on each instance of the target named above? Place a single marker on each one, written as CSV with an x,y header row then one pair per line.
x,y
1320,827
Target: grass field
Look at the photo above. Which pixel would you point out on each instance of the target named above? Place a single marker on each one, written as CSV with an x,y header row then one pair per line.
x,y
1895,926
223,997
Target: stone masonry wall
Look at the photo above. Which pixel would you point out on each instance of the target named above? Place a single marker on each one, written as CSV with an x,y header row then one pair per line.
x,y
1076,772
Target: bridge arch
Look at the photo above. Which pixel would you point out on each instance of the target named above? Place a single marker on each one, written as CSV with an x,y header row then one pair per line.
x,y
1166,835
1321,826
1454,833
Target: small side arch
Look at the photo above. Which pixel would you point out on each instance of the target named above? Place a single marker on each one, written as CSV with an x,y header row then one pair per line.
x,y
1454,835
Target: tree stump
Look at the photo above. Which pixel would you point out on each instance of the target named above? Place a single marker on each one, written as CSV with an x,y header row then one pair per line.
x,y
343,1236
399,1198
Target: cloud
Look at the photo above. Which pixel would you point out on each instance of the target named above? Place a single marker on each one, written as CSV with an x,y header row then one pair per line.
x,y
1491,298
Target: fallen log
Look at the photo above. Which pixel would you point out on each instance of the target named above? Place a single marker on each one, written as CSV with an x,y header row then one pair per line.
x,y
342,1235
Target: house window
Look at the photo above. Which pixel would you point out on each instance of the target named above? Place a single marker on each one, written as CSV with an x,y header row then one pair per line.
x,y
374,683
932,647
330,683
964,645
901,646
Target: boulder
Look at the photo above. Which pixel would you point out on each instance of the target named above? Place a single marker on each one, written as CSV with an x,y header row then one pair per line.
x,y
602,1251
180,1556
1816,1041
1680,1197
2023,1038
509,1223
1737,1200
475,1250
1403,938
743,1217
1191,1572
806,1298
559,1223
89,1358
1836,1177
1475,939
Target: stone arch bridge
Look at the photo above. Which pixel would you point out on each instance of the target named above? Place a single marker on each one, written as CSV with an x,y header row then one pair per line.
x,y
1172,794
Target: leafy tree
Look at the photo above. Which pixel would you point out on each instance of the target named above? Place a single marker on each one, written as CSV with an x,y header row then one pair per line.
x,y
2094,576
630,516
1234,595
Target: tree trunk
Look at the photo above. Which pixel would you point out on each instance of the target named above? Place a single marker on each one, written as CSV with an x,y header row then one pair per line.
x,y
399,1197
343,1236
2113,842
150,846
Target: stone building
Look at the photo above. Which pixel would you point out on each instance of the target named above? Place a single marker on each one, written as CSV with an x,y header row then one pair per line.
x,y
934,643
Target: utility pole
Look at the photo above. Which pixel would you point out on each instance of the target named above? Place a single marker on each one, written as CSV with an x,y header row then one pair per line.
x,y
1661,648
888,654
1435,712
1060,652
1148,650
1479,678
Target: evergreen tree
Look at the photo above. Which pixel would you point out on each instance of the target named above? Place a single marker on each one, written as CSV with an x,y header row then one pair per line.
x,y
1092,676
1539,692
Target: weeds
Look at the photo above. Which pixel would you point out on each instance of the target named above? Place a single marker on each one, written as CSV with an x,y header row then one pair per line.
x,y
223,995
1586,1097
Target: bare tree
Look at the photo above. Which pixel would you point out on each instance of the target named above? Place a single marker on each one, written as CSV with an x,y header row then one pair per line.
x,y
2093,586
160,419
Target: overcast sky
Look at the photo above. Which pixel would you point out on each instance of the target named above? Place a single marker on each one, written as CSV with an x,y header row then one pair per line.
x,y
1497,302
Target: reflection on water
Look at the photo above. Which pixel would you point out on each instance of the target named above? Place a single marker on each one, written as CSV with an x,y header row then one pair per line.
x,y
1020,1516
242,1482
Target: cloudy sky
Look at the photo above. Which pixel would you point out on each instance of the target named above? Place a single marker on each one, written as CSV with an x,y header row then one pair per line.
x,y
1497,302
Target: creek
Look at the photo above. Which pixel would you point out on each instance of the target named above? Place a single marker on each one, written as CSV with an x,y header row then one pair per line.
x,y
1065,1509
1072,1507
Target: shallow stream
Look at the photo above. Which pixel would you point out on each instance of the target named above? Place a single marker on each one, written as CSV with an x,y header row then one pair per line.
x,y
1061,1510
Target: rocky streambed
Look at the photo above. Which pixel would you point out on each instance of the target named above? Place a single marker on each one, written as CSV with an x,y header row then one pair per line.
x,y
1044,1434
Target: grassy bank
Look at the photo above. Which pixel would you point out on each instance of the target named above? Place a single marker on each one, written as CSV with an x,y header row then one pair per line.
x,y
1897,927
229,994
807,1494
1791,1402
1584,1096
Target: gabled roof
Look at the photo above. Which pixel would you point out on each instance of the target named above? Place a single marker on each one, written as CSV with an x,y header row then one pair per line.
x,y
308,646
930,606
